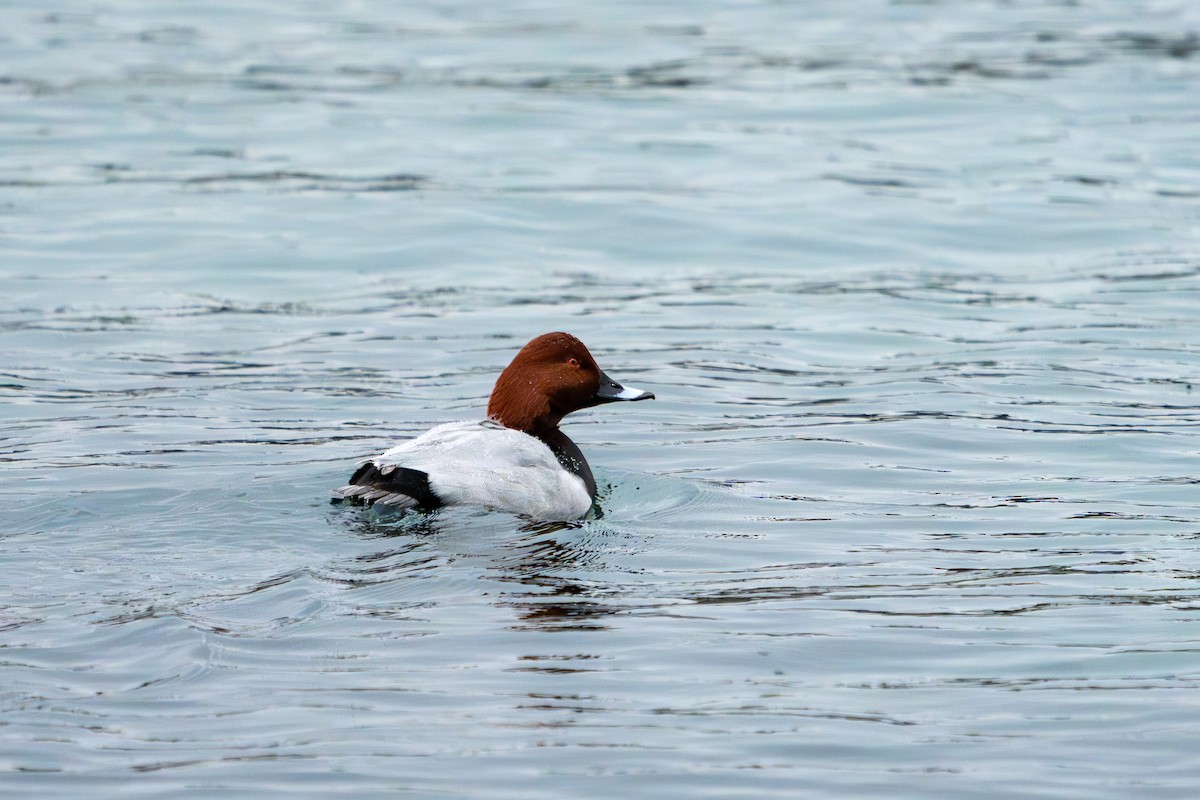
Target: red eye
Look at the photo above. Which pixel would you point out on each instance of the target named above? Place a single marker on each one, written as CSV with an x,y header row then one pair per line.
x,y
574,362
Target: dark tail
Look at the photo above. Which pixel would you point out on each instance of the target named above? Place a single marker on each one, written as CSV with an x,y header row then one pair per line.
x,y
395,487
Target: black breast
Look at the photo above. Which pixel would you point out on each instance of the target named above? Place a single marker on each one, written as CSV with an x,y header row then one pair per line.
x,y
569,455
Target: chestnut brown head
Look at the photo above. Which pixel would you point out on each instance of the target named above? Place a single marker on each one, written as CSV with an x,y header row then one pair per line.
x,y
552,376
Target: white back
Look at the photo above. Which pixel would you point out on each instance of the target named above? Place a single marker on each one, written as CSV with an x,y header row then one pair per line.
x,y
483,463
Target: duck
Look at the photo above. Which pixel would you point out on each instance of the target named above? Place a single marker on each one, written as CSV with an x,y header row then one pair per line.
x,y
517,459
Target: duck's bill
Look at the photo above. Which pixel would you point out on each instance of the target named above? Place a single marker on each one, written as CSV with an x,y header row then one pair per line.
x,y
611,391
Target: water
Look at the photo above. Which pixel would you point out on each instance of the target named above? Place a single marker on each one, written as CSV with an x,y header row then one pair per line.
x,y
914,514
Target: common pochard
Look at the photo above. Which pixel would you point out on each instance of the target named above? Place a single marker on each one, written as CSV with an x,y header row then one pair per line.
x,y
517,459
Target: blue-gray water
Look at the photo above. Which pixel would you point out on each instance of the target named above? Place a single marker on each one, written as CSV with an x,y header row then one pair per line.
x,y
914,515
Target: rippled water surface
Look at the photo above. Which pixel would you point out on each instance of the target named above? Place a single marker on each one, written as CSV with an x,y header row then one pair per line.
x,y
915,513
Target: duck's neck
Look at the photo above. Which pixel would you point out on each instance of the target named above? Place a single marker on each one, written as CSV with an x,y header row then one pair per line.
x,y
516,408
